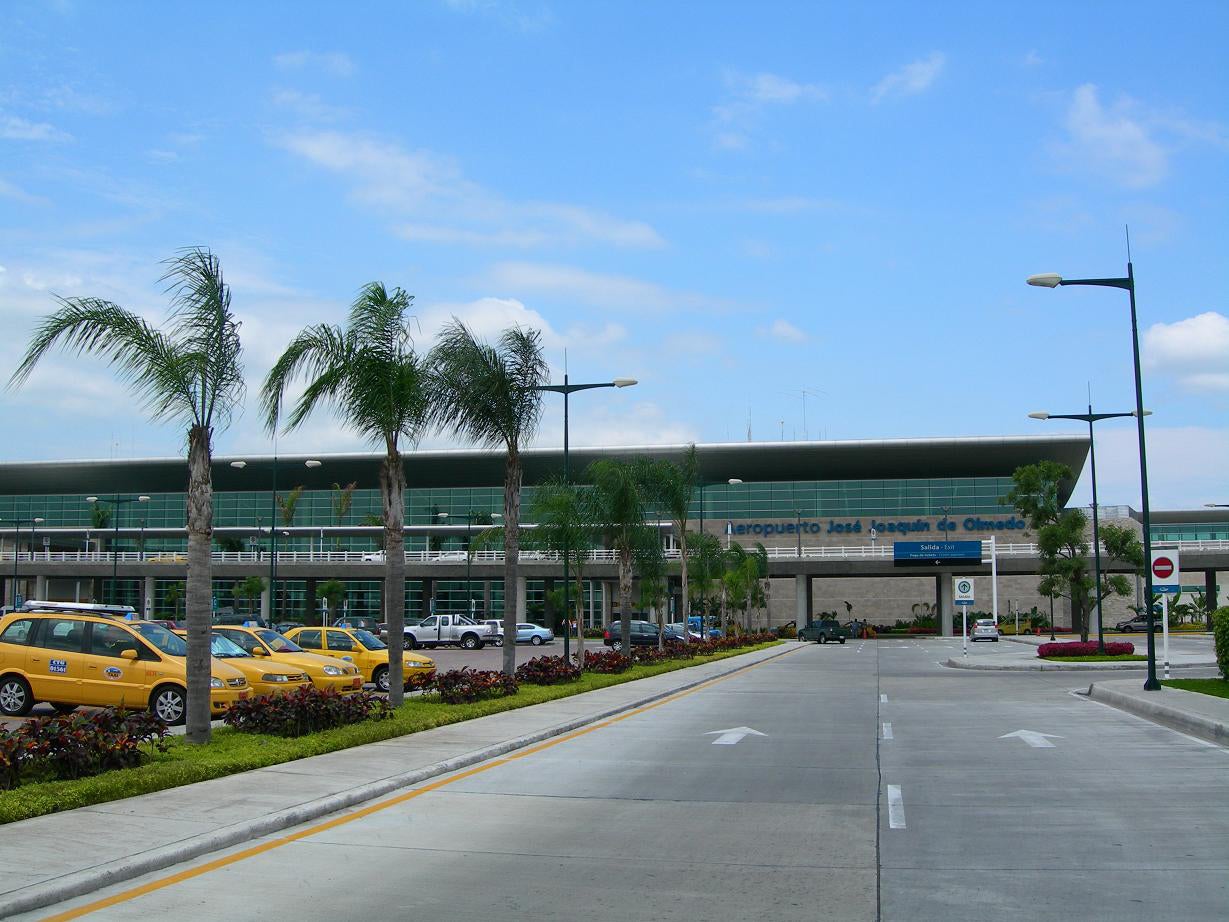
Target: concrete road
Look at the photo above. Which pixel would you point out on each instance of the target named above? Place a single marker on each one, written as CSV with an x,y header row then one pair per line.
x,y
883,787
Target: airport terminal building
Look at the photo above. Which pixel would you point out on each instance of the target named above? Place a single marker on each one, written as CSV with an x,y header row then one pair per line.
x,y
829,514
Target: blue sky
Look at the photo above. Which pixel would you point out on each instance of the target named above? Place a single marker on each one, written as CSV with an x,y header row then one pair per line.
x,y
737,204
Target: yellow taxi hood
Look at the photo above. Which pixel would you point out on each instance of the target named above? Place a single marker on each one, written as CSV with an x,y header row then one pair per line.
x,y
305,660
221,670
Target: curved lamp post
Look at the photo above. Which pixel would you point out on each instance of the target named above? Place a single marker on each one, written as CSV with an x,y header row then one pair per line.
x,y
1090,417
566,390
17,523
1127,283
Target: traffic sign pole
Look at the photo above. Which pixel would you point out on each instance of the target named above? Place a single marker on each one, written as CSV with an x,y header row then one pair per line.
x,y
1165,628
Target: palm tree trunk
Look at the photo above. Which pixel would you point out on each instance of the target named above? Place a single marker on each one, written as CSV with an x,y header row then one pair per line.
x,y
392,490
686,606
579,568
199,583
512,554
625,600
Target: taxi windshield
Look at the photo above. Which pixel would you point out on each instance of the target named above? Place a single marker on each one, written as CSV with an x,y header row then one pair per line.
x,y
277,643
224,648
369,640
160,637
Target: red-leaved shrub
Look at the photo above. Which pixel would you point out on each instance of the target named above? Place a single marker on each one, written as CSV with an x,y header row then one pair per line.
x,y
606,661
547,670
76,745
457,686
1079,648
305,710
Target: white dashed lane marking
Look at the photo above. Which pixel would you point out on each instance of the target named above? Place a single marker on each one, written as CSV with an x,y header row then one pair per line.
x,y
896,807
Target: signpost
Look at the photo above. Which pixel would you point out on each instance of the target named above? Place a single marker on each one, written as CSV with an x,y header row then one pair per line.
x,y
915,553
963,596
1167,581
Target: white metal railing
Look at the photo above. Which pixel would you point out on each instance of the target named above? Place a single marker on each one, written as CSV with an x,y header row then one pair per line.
x,y
376,558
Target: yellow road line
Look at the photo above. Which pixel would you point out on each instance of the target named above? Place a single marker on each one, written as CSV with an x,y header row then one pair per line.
x,y
362,812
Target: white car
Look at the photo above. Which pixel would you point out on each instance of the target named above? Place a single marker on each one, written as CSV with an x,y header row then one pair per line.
x,y
534,634
984,629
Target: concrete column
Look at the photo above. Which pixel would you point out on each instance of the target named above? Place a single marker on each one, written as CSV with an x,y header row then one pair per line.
x,y
607,602
802,596
946,596
428,593
486,598
40,588
522,585
264,603
312,609
550,614
1209,591
10,590
147,597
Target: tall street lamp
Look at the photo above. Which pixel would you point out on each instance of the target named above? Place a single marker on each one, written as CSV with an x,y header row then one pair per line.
x,y
1090,417
240,465
1053,280
469,554
567,389
732,481
117,502
17,523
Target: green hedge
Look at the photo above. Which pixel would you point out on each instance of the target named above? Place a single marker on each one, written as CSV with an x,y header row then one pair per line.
x,y
1220,631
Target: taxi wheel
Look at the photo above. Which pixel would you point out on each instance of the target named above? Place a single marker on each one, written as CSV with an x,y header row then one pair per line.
x,y
16,698
169,704
381,678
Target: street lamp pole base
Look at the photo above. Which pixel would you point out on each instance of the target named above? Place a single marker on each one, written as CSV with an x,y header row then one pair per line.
x,y
1152,684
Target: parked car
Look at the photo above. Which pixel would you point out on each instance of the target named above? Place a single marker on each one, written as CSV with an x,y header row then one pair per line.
x,y
448,631
264,677
824,632
1139,623
533,634
984,629
361,622
325,671
674,631
362,648
80,658
496,637
644,634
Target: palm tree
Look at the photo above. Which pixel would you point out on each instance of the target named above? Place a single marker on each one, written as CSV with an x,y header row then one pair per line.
x,y
343,499
564,518
191,373
672,486
619,505
373,379
489,394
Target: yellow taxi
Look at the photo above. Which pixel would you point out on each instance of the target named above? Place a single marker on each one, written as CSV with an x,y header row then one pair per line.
x,y
72,658
263,675
362,648
324,671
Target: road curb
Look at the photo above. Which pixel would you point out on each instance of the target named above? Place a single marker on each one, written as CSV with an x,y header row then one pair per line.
x,y
1206,728
1049,666
79,883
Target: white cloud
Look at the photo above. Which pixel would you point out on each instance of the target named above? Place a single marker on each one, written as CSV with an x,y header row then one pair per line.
x,y
1186,466
783,330
1111,141
773,89
749,95
911,79
308,105
612,422
449,208
617,292
335,63
1194,350
10,191
14,128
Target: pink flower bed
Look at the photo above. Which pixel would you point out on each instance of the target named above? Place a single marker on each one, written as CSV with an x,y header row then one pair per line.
x,y
1078,648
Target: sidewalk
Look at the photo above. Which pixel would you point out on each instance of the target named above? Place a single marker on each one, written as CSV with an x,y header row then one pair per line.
x,y
1204,716
63,855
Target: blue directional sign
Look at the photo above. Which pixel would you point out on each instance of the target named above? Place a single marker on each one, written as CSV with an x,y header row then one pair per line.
x,y
913,553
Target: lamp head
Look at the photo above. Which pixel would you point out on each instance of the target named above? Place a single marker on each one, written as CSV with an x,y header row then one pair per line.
x,y
1135,413
91,499
1039,415
441,515
1046,280
312,463
39,520
238,465
625,382
733,480
142,499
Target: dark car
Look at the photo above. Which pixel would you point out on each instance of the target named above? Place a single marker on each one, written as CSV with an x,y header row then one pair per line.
x,y
1138,623
824,631
360,623
644,634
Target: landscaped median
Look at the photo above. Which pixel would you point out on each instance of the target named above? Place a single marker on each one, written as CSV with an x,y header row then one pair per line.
x,y
232,751
1088,652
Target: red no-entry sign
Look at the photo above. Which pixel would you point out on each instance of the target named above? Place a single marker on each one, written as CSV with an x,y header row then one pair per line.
x,y
1162,568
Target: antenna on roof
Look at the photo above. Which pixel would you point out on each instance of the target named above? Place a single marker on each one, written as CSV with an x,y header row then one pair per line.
x,y
748,424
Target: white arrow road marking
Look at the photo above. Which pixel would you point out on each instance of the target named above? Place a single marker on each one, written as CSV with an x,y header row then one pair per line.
x,y
887,731
1033,738
896,807
732,736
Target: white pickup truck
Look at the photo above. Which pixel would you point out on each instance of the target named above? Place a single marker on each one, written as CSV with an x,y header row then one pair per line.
x,y
448,631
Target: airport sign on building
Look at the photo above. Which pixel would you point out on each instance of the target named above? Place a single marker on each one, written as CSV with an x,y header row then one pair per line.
x,y
914,553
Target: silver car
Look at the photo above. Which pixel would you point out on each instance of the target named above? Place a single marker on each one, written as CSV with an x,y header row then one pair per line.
x,y
984,629
534,634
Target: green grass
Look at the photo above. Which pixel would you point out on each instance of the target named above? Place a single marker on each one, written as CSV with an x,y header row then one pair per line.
x,y
1094,658
231,752
1217,687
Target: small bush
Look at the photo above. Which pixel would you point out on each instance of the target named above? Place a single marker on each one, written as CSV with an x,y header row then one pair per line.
x,y
77,745
1220,634
923,630
305,710
606,661
1078,648
547,670
457,686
